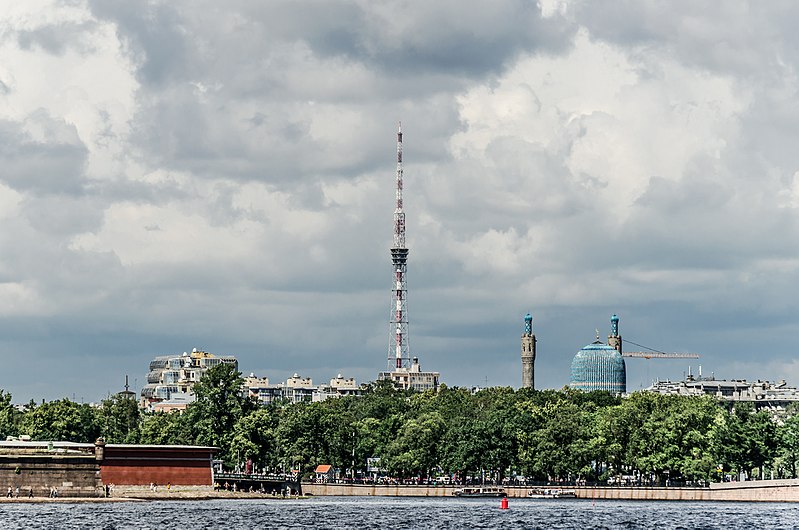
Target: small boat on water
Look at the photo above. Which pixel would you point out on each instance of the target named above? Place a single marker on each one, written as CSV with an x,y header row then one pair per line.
x,y
551,493
480,492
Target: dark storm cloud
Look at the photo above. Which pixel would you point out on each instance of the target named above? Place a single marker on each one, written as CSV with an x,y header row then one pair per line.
x,y
244,91
706,223
153,34
49,271
423,37
629,157
405,39
49,165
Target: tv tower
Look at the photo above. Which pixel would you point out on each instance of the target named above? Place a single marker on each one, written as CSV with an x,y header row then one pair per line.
x,y
399,350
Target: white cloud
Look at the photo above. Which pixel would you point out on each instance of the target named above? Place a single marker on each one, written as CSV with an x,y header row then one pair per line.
x,y
180,174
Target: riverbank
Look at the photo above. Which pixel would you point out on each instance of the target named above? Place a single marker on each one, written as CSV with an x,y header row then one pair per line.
x,y
62,500
754,491
145,493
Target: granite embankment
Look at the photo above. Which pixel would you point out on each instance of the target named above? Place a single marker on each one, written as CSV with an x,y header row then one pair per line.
x,y
144,493
754,491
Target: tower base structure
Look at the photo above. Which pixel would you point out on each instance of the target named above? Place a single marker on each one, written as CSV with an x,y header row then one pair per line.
x,y
412,378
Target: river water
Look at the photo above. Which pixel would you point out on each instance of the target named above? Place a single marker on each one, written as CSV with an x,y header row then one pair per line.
x,y
390,512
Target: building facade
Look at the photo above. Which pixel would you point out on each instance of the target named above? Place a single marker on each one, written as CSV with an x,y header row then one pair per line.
x,y
412,378
297,389
776,397
175,375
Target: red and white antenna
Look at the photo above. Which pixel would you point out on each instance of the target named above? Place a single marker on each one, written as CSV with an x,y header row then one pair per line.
x,y
399,350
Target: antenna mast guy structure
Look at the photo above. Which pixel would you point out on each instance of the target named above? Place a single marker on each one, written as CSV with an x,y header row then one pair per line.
x,y
399,349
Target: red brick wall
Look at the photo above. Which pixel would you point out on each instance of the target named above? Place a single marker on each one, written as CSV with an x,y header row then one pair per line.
x,y
162,475
142,465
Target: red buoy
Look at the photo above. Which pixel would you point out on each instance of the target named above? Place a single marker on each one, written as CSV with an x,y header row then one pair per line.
x,y
504,504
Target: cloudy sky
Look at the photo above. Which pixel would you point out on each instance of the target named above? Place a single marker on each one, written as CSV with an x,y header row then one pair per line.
x,y
194,173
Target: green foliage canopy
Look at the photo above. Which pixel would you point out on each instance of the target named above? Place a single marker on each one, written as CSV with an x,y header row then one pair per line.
x,y
493,433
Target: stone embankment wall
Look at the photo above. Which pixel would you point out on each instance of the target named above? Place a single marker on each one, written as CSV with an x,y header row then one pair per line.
x,y
73,476
366,490
754,491
83,470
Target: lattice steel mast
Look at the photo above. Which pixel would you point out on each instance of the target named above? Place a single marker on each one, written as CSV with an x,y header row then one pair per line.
x,y
399,350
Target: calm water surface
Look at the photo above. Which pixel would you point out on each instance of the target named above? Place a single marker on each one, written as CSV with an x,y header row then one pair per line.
x,y
389,512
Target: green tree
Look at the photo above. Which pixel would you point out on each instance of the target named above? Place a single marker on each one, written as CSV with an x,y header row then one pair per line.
x,y
746,439
301,440
219,404
788,434
673,438
121,420
560,447
463,448
255,438
63,420
415,450
165,428
340,430
370,441
9,416
377,417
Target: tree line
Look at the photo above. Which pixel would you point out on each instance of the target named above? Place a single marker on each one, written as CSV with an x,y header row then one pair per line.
x,y
494,433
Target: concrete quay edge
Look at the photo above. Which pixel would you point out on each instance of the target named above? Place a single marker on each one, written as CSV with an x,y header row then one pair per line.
x,y
145,496
755,491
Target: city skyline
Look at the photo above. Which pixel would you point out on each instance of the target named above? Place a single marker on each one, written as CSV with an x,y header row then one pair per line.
x,y
185,174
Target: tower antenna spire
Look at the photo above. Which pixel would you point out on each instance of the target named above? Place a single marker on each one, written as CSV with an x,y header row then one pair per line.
x,y
399,349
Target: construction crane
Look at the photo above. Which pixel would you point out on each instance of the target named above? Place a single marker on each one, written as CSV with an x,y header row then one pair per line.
x,y
614,340
656,354
659,355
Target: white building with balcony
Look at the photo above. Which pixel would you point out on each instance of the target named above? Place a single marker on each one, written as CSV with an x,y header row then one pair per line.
x,y
175,375
297,389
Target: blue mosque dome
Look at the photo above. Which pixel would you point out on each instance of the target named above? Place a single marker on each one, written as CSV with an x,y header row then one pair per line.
x,y
599,367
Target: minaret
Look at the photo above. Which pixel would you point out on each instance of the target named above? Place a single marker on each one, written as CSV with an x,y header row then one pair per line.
x,y
528,353
399,350
614,339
